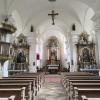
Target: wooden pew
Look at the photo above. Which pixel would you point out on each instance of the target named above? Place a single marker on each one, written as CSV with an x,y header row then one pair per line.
x,y
82,85
20,81
64,75
36,79
12,97
77,76
18,92
24,77
70,82
79,80
28,91
39,79
30,75
83,97
88,92
66,80
76,73
33,80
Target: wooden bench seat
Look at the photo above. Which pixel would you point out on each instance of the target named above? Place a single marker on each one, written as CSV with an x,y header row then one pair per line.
x,y
12,97
28,90
66,80
76,73
30,82
38,79
82,85
18,92
83,97
37,83
81,81
33,80
88,92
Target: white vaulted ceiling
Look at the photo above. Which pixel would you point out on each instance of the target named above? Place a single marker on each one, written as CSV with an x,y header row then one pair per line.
x,y
35,12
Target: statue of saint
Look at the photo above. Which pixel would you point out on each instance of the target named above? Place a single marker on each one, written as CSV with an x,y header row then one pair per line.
x,y
21,57
86,56
53,56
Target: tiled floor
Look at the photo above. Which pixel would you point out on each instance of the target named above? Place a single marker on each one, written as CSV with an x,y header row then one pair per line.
x,y
52,90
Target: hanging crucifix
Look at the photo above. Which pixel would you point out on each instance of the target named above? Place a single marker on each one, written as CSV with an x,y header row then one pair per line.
x,y
53,14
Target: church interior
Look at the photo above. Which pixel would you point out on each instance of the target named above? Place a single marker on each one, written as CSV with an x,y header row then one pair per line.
x,y
49,49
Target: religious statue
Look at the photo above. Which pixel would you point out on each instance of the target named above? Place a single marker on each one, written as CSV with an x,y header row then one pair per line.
x,y
21,57
83,39
86,56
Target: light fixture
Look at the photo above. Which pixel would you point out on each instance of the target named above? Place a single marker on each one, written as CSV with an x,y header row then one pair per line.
x,y
52,0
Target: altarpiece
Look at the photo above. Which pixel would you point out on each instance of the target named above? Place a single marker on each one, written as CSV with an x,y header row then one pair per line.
x,y
21,55
86,58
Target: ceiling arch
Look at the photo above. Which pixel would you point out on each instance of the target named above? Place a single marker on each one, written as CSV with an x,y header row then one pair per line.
x,y
36,11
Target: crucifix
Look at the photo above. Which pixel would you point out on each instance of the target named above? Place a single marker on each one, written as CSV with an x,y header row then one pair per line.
x,y
53,14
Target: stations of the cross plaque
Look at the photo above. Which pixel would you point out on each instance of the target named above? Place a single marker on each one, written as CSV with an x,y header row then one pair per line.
x,y
53,14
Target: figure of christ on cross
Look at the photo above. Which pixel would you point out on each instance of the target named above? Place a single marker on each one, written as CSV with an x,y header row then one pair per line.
x,y
53,14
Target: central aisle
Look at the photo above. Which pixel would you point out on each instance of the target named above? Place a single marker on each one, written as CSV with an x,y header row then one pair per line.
x,y
52,89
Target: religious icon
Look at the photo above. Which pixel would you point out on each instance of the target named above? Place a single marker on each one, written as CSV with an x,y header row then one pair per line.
x,y
53,14
21,57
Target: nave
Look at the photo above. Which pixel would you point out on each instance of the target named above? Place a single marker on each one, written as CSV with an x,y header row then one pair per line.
x,y
52,89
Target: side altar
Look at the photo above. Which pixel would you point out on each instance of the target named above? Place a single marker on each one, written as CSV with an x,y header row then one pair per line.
x,y
86,54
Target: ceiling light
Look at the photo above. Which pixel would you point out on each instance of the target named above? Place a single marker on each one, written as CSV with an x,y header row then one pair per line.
x,y
52,0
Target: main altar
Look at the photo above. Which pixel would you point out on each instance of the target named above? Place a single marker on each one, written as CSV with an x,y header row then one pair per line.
x,y
53,59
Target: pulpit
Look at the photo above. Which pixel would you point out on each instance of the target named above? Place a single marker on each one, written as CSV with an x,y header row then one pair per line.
x,y
6,31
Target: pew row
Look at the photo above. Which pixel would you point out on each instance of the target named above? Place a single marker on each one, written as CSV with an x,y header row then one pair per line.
x,y
12,97
18,92
28,90
82,85
78,80
92,93
83,97
31,81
